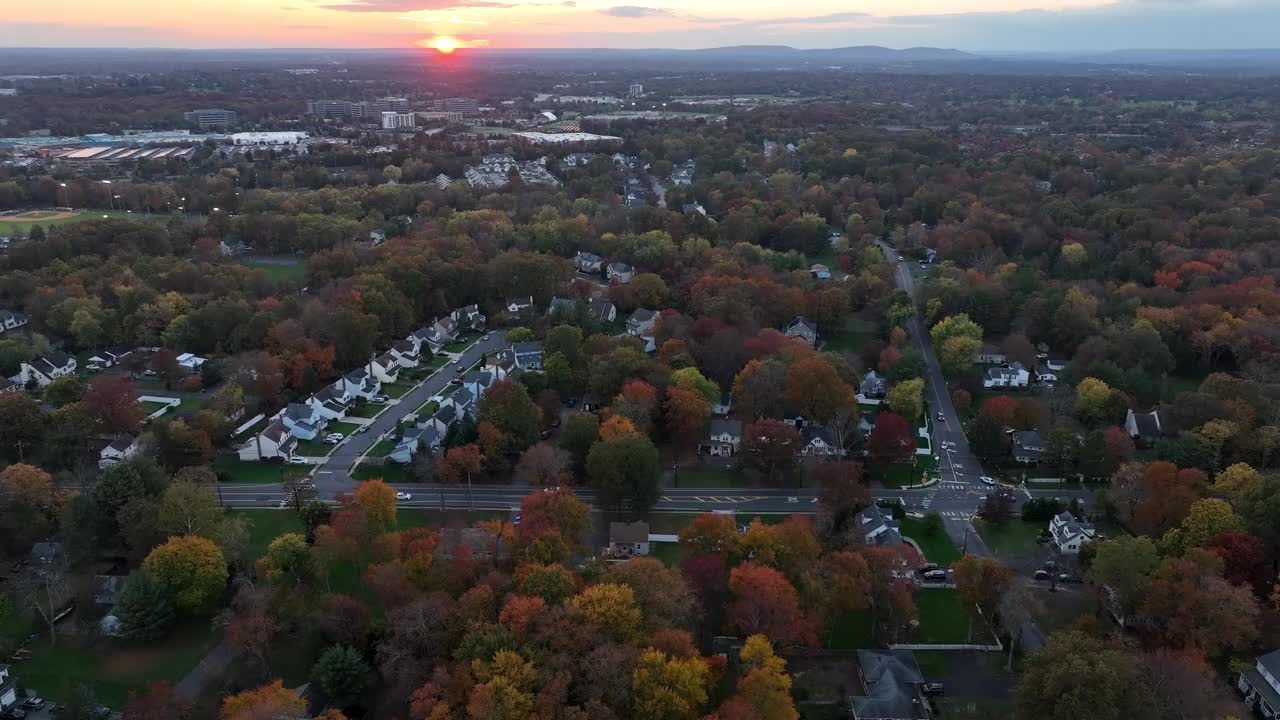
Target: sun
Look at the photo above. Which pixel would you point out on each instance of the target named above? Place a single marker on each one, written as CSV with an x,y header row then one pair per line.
x,y
445,44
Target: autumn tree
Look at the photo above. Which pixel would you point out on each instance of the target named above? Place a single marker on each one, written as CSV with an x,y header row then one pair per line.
x,y
507,405
192,568
378,500
759,389
980,583
616,426
891,439
907,399
765,602
610,607
816,390
459,464
113,400
668,688
1205,520
771,447
686,412
842,492
543,465
765,686
342,673
267,702
1124,565
289,560
29,505
1192,606
664,598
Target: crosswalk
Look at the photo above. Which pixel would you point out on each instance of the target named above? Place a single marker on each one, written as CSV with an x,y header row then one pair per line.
x,y
720,498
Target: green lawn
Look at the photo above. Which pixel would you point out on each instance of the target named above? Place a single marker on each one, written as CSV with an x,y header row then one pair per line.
x,y
396,390
438,361
149,407
345,428
383,448
313,448
895,475
280,272
390,473
937,548
670,523
366,410
847,631
248,471
267,525
942,620
457,347
192,404
819,711
57,670
1015,538
667,552
852,338
746,518
427,408
708,476
976,709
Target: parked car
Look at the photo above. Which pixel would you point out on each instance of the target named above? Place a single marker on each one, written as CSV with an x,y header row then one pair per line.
x,y
16,713
942,418
933,688
486,336
297,461
935,575
1041,575
149,373
34,703
901,258
927,567
361,430
570,402
379,399
404,496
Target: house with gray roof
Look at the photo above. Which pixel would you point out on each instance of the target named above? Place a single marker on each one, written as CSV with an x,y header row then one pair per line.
x,y
876,527
587,262
303,421
872,385
802,328
1259,685
46,369
724,437
1144,428
893,687
641,322
1069,533
1027,446
527,355
275,441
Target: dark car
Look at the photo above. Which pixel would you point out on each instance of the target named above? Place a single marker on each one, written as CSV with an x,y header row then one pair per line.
x,y
570,402
1041,575
933,688
16,714
927,567
34,703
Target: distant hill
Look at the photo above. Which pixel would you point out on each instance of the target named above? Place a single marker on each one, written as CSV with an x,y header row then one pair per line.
x,y
855,53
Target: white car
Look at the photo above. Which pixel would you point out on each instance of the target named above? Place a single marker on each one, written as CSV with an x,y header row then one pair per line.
x,y
942,418
901,258
378,400
297,461
987,481
404,496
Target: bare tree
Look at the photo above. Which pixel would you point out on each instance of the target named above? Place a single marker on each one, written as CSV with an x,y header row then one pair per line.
x,y
45,589
1017,608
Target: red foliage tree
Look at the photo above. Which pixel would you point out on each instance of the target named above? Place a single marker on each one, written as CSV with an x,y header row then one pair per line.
x,y
113,400
891,439
765,602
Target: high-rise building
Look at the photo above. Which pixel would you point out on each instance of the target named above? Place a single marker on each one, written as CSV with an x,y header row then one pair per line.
x,y
331,108
636,90
211,119
397,120
457,104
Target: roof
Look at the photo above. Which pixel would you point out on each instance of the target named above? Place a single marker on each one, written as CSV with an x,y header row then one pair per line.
x,y
801,320
299,411
403,347
1271,661
600,309
620,267
46,552
122,444
526,348
276,432
588,256
813,431
721,426
632,532
883,530
106,588
58,359
1028,439
643,315
1148,424
891,678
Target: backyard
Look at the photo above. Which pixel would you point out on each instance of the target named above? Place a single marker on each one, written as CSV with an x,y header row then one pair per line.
x,y
942,619
285,269
853,337
1013,538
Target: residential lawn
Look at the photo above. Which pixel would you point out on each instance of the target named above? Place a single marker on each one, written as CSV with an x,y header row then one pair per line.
x,y
383,448
114,668
820,711
313,448
345,428
266,525
708,476
232,469
280,272
438,361
391,473
396,390
774,519
852,338
457,347
894,475
933,663
937,548
192,404
667,552
942,619
1015,538
427,408
366,410
664,523
847,631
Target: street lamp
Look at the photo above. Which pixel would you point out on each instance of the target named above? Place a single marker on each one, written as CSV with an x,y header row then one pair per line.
x,y
109,200
66,197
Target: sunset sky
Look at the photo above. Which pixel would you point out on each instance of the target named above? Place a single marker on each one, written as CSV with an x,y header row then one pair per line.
x,y
966,24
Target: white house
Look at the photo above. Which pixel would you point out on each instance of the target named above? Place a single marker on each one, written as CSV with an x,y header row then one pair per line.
x,y
408,446
118,450
818,441
641,322
191,362
385,367
405,354
500,363
1014,375
1027,446
872,385
588,262
527,355
303,420
469,316
359,383
1260,685
724,438
8,689
44,370
109,358
10,320
462,401
722,406
876,528
620,273
478,382
804,329
273,442
627,539
520,305
1070,533
332,402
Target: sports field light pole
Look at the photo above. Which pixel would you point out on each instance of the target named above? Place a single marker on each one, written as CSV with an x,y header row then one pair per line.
x,y
110,199
66,195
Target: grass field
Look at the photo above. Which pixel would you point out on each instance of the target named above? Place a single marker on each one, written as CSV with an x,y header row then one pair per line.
x,y
847,631
942,619
281,271
23,222
1015,538
149,407
896,475
396,390
382,448
112,669
249,471
390,473
667,552
937,548
427,408
708,476
852,338
366,410
345,428
313,448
